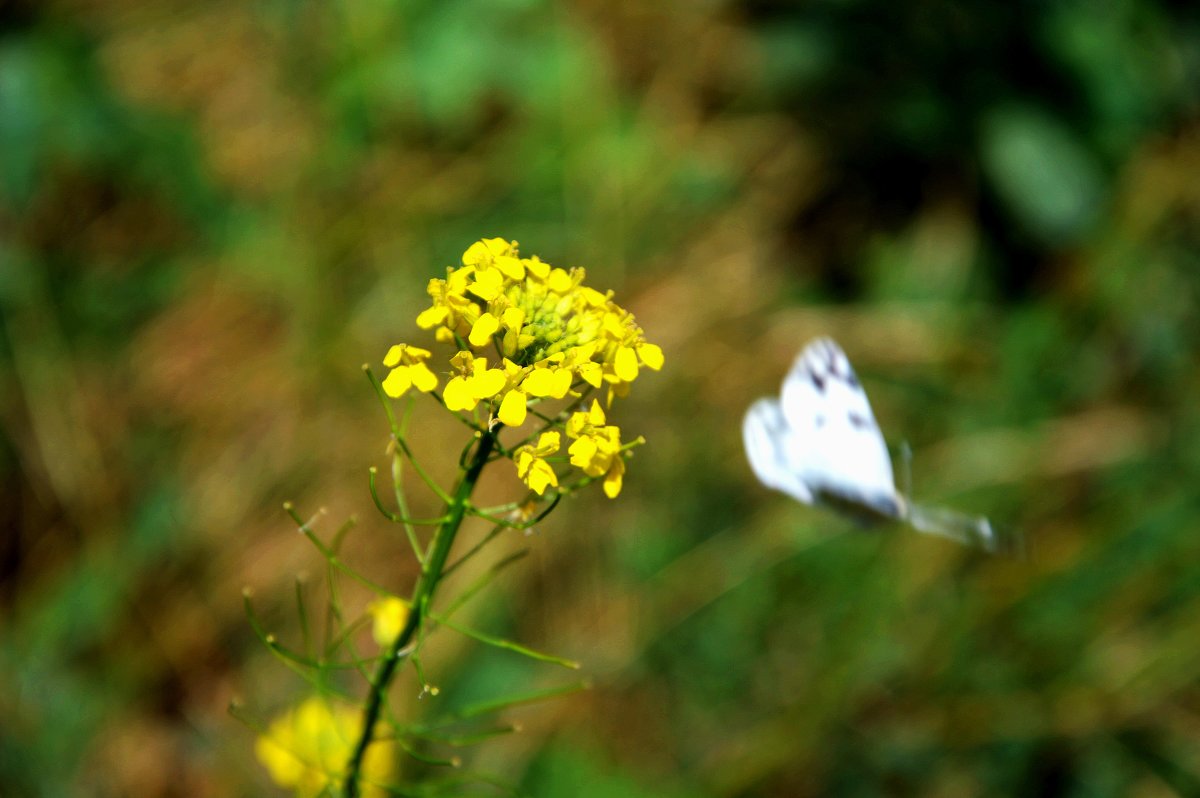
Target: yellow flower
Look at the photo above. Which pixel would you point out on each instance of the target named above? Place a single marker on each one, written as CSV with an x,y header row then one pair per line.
x,y
543,380
474,382
390,614
408,369
597,448
307,749
531,466
452,311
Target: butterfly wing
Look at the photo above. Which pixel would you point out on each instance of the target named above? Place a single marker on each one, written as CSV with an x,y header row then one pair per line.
x,y
774,452
833,443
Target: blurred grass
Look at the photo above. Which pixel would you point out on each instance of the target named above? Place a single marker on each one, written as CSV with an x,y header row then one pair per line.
x,y
211,215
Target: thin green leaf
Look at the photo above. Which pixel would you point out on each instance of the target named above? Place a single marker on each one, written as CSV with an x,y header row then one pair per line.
x,y
482,581
507,645
532,697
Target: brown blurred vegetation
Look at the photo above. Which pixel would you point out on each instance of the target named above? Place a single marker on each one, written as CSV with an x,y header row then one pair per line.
x,y
212,214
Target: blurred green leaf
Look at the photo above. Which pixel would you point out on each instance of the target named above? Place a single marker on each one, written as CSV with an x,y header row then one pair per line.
x,y
1047,178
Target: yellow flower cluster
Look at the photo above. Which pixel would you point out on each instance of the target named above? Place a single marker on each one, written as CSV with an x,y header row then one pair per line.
x,y
307,750
527,331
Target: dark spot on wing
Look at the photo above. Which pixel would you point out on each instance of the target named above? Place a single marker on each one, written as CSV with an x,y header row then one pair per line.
x,y
820,421
817,380
859,421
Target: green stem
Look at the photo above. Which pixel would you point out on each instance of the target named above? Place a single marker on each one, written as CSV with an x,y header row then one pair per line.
x,y
431,574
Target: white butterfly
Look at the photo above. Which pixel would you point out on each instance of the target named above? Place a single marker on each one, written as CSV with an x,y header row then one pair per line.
x,y
819,443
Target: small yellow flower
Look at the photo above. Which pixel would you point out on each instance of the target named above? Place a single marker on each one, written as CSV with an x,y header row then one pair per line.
x,y
531,465
474,382
408,370
597,448
452,311
307,749
390,614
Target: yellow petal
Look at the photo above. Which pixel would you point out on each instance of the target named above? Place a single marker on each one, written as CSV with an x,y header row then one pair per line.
x,y
499,246
595,415
626,364
392,358
540,382
541,476
397,382
592,297
651,355
538,268
488,284
592,374
477,253
489,383
422,377
582,451
561,383
513,318
431,317
483,329
512,409
511,267
614,478
560,281
576,424
548,443
458,395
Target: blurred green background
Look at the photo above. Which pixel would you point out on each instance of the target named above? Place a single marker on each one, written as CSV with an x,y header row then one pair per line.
x,y
212,213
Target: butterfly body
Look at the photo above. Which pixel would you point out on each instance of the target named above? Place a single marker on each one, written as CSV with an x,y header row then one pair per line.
x,y
819,443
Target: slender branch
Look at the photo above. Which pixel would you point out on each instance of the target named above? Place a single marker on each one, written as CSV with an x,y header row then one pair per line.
x,y
482,581
508,645
398,484
389,515
398,435
488,538
517,524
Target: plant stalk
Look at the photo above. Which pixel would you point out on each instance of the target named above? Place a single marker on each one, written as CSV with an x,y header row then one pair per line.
x,y
431,574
